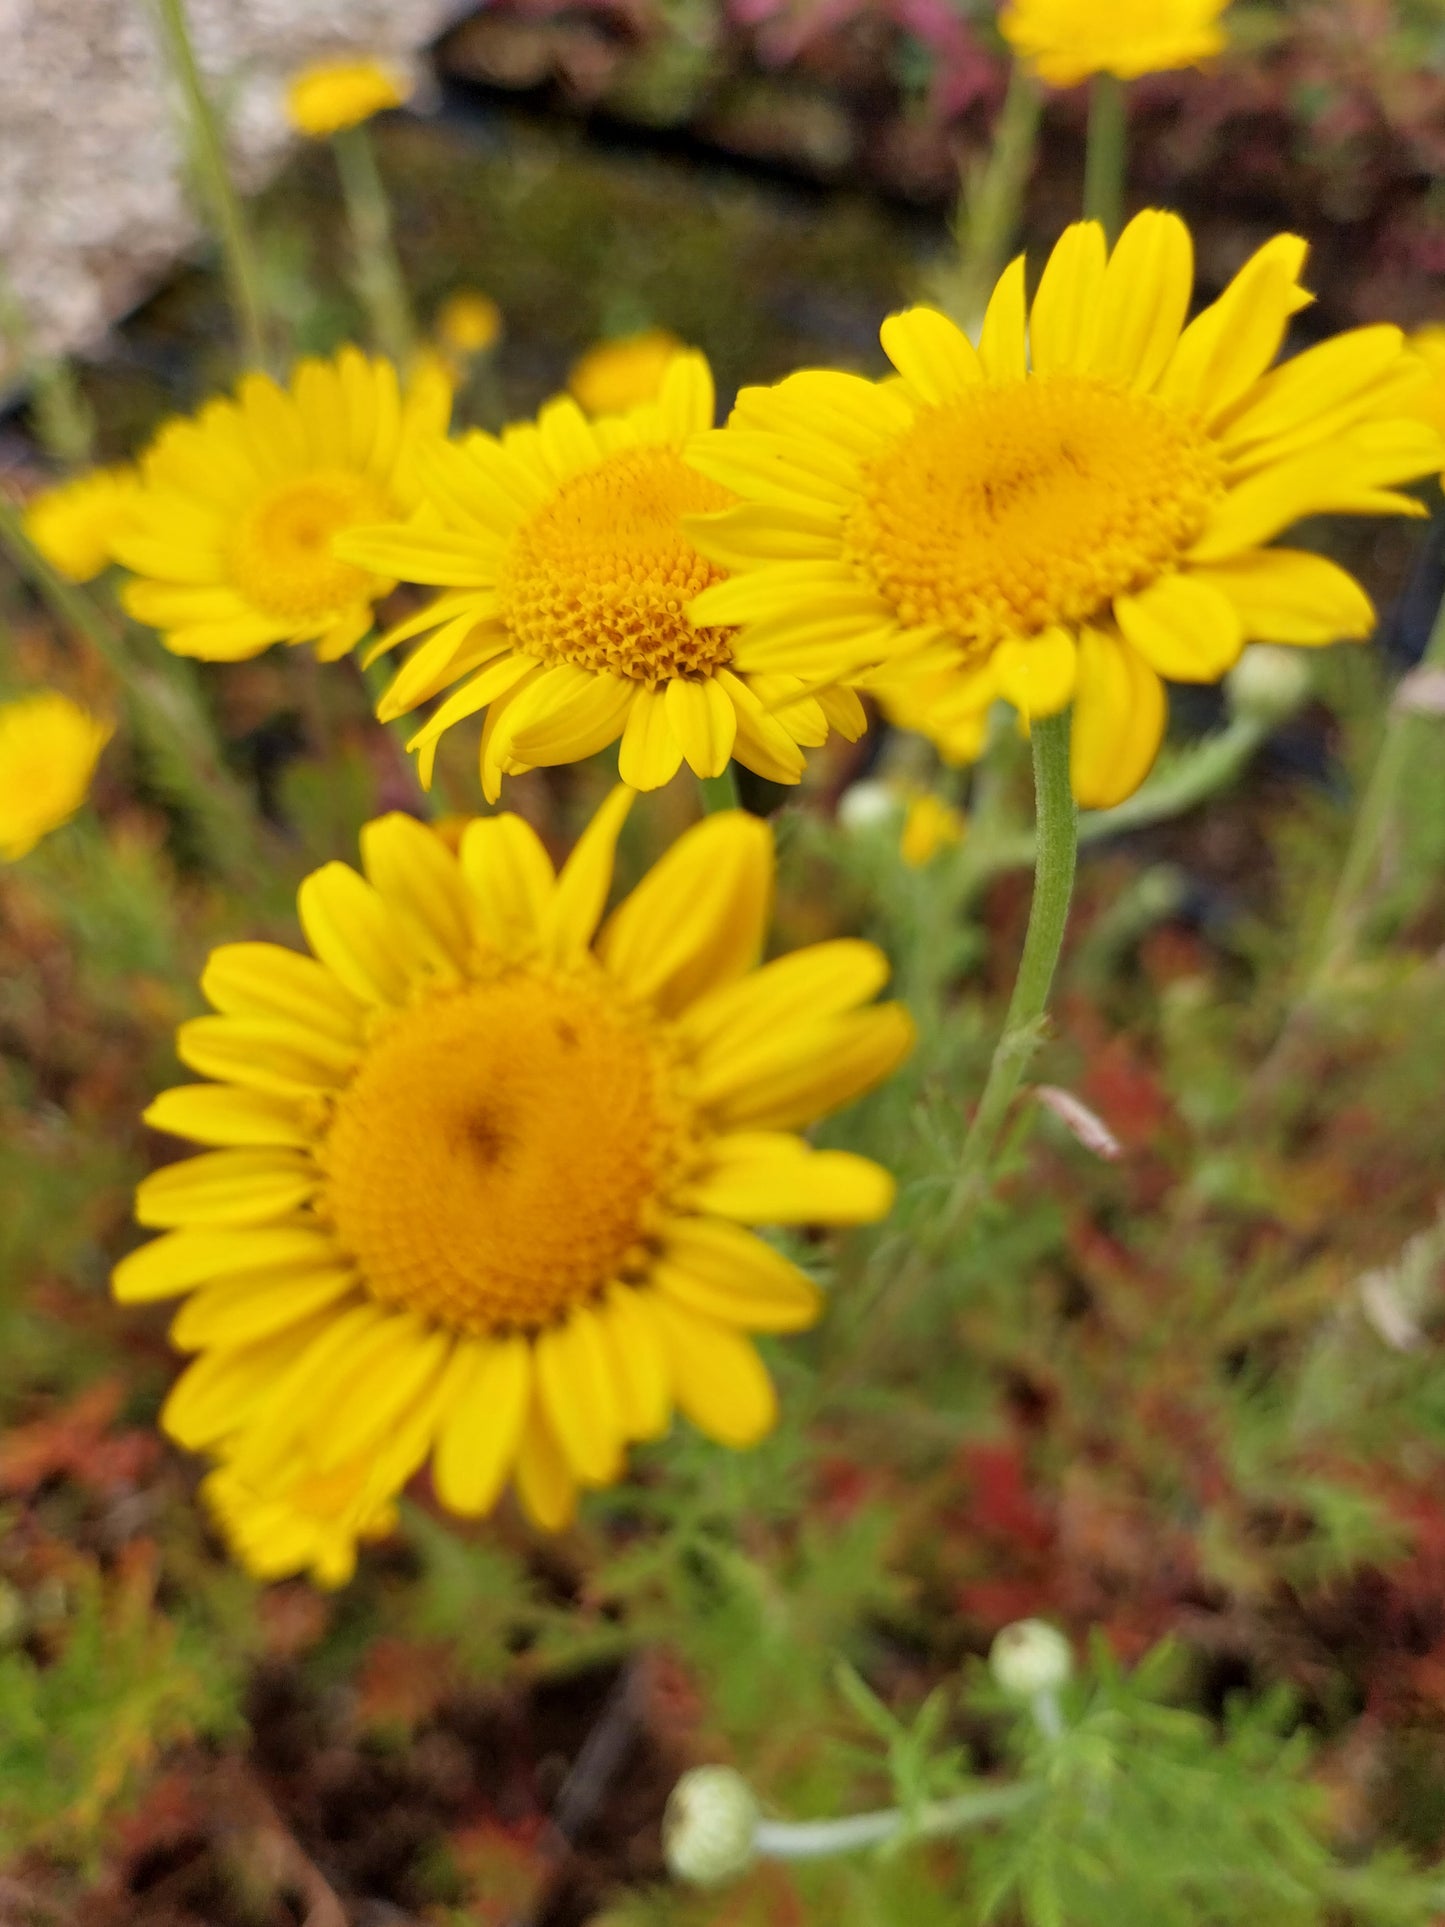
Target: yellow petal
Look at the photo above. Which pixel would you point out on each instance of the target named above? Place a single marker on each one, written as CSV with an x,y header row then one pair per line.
x,y
639,1362
1065,314
545,1487
568,714
762,742
1036,674
223,1391
1144,301
586,878
237,1311
183,1259
719,1381
820,981
730,1274
420,882
511,881
650,753
1003,344
347,926
215,1114
758,532
762,1177
803,1073
933,355
699,916
1120,711
686,402
263,980
1228,347
578,1396
379,1394
478,1441
227,1187
1183,628
282,1059
1288,595
704,723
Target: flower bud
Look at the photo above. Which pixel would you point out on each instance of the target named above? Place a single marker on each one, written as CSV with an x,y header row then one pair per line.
x,y
1268,683
709,1826
863,806
1031,1657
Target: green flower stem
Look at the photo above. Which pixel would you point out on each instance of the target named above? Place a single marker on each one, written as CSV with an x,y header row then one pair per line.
x,y
821,1839
165,717
992,203
720,792
378,271
1057,852
243,278
1376,818
1106,159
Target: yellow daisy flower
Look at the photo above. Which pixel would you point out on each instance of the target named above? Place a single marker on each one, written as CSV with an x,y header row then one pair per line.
x,y
75,523
49,748
1075,509
480,1183
468,323
568,578
1065,41
230,536
613,376
334,94
929,826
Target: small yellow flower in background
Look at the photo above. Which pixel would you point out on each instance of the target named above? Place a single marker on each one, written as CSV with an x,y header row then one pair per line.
x,y
75,523
229,539
615,376
931,825
561,548
1076,509
1065,41
49,748
468,323
482,1175
334,94
1429,345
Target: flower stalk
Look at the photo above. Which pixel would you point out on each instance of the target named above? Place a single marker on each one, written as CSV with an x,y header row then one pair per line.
x,y
720,792
1055,861
208,151
1107,156
822,1839
992,201
379,278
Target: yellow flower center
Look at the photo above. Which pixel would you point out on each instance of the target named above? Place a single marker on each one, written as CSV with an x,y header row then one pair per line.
x,y
499,1156
602,575
280,553
1010,508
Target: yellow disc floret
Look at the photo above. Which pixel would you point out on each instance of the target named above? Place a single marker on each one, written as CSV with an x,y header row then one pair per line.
x,y
602,575
280,551
500,1156
1009,508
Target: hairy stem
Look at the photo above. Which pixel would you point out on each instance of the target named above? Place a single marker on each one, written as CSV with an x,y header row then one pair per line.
x,y
243,278
1057,852
378,271
1106,159
821,1839
992,203
720,792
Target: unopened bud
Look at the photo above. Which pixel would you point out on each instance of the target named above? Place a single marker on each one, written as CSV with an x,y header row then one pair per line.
x,y
1031,1657
1268,683
863,806
709,1826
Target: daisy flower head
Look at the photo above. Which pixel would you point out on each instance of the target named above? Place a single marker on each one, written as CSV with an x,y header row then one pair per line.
x,y
49,747
481,1176
229,539
1066,41
1081,506
567,577
74,524
331,95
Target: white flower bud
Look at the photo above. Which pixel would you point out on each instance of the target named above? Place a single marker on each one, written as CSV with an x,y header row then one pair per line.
x,y
1031,1657
709,1826
863,806
1268,683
